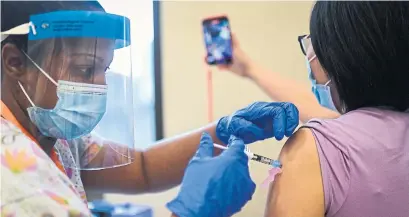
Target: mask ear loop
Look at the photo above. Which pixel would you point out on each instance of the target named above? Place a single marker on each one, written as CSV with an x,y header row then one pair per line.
x,y
312,58
25,93
41,70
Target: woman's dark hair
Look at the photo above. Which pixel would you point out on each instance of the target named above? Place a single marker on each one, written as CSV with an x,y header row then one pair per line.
x,y
364,48
15,13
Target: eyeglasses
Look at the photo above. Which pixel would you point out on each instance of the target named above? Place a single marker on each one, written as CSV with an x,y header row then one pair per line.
x,y
305,43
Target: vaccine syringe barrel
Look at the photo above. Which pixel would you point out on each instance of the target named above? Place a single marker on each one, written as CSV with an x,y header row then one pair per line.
x,y
255,157
266,160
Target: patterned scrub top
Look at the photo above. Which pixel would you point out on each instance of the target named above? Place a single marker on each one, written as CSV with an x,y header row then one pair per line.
x,y
31,183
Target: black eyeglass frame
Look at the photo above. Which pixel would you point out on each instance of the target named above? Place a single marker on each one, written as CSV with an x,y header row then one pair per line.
x,y
300,41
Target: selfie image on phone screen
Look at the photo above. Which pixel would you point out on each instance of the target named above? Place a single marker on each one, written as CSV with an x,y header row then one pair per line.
x,y
218,43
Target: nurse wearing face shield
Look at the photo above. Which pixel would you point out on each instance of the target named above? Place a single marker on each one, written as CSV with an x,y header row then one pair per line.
x,y
56,58
67,91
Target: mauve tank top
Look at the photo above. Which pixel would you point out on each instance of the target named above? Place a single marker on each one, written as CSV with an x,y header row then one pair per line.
x,y
364,157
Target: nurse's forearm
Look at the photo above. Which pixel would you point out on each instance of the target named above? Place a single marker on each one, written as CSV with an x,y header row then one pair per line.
x,y
165,162
283,89
158,168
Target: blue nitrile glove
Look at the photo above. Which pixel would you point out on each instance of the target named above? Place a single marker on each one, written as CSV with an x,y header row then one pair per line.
x,y
259,121
214,186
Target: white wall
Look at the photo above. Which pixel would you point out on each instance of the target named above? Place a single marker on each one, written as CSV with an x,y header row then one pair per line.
x,y
267,31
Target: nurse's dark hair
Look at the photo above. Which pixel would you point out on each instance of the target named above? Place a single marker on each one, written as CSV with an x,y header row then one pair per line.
x,y
364,48
15,13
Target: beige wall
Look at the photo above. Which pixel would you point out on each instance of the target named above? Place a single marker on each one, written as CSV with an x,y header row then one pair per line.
x,y
267,31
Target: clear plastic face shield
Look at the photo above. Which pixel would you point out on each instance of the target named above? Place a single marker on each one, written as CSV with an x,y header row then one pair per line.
x,y
70,81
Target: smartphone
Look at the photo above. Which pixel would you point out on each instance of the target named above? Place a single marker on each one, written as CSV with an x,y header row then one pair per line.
x,y
218,40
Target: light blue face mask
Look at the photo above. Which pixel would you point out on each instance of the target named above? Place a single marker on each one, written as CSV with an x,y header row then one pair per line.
x,y
321,91
79,109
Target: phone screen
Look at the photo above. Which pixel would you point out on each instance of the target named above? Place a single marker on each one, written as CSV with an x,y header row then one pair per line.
x,y
217,36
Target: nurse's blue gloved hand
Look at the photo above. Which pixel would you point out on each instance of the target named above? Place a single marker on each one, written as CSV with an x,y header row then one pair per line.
x,y
259,121
214,186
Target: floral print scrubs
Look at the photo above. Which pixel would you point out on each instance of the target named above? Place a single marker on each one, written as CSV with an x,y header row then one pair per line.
x,y
31,183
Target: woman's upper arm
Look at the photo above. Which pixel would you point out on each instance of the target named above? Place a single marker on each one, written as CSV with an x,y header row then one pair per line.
x,y
298,190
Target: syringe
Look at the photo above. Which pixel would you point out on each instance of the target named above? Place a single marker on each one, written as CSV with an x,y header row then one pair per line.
x,y
255,157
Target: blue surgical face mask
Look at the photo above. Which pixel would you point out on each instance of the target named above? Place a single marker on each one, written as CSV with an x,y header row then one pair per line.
x,y
321,91
79,109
